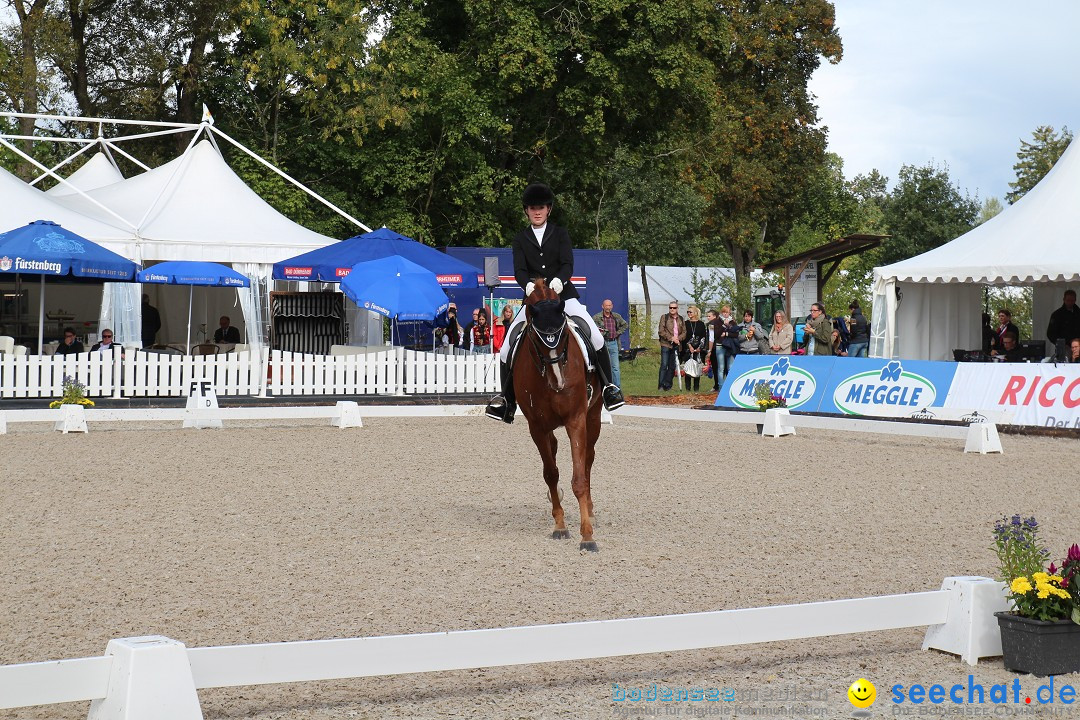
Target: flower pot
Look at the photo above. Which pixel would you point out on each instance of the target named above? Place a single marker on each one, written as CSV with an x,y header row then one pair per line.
x,y
1037,646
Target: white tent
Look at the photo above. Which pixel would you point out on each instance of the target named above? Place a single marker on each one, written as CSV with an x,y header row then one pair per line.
x,y
21,204
666,284
929,305
96,172
196,208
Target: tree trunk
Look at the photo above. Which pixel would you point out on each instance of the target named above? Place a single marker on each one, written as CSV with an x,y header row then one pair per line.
x,y
648,301
78,76
27,101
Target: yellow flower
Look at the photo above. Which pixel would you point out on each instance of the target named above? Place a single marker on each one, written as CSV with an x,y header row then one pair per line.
x,y
1040,577
1020,585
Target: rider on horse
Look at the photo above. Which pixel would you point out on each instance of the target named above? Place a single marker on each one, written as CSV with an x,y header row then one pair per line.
x,y
543,250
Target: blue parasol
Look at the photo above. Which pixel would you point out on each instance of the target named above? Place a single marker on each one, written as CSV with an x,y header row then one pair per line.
x,y
335,261
395,288
192,273
46,249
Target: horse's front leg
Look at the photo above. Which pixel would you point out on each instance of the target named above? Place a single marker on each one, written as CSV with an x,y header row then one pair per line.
x,y
548,446
577,430
592,425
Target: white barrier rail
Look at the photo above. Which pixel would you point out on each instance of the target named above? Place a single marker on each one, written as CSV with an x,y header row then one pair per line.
x,y
140,677
394,371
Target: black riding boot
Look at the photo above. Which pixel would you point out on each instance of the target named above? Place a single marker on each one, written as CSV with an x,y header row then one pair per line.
x,y
502,407
612,395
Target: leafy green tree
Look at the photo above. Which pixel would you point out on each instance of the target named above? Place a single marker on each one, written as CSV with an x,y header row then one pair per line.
x,y
990,207
762,140
1035,159
923,211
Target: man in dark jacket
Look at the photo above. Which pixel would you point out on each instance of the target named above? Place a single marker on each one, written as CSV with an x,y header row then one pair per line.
x,y
543,250
860,331
151,322
69,345
1064,323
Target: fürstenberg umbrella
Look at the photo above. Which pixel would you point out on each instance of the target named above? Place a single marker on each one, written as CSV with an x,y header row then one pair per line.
x,y
395,288
46,249
192,273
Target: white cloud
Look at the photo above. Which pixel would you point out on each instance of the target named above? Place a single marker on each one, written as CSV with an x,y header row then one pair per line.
x,y
956,82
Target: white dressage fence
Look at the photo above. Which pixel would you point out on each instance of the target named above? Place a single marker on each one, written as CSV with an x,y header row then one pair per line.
x,y
157,678
390,371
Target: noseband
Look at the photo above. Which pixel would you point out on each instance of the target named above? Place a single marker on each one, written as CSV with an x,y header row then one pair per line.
x,y
549,343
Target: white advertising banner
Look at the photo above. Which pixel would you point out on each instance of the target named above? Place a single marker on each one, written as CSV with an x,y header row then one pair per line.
x,y
1044,394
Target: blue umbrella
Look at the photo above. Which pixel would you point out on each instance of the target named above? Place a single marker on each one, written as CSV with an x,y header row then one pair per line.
x,y
335,261
396,288
44,248
192,273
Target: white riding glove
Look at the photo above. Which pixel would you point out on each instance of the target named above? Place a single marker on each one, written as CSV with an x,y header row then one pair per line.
x,y
529,288
556,285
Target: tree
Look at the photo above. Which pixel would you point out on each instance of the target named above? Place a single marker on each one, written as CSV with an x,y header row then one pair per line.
x,y
990,207
1036,158
761,140
656,218
923,211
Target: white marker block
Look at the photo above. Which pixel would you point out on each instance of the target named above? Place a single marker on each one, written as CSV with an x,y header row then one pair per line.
x,y
72,419
201,399
348,415
777,423
970,629
150,678
982,438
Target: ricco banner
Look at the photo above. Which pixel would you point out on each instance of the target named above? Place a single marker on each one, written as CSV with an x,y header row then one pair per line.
x,y
1043,394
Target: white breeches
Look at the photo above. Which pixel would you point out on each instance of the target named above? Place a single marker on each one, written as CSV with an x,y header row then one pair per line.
x,y
574,308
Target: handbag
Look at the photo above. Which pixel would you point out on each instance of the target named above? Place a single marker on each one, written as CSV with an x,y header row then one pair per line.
x,y
692,367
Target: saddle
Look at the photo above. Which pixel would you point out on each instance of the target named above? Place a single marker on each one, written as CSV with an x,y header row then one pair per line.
x,y
581,334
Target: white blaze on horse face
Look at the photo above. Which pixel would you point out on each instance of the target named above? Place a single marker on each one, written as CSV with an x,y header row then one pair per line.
x,y
559,379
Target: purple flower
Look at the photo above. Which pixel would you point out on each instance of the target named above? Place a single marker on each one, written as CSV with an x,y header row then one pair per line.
x,y
1074,554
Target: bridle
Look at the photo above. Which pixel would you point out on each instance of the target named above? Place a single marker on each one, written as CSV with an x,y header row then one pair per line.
x,y
550,349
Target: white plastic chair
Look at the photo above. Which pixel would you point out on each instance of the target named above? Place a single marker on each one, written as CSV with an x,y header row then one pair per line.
x,y
7,344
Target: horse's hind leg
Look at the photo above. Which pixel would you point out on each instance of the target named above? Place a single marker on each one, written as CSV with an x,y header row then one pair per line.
x,y
548,446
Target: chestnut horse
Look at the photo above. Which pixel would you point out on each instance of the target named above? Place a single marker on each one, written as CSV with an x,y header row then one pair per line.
x,y
554,389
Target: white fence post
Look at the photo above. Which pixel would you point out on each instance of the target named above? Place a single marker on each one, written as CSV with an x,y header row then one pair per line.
x,y
150,678
970,630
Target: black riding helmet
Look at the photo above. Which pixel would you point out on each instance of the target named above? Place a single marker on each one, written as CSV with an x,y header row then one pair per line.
x,y
537,194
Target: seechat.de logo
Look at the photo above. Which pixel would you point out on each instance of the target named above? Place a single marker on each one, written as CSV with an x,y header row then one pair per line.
x,y
890,391
796,385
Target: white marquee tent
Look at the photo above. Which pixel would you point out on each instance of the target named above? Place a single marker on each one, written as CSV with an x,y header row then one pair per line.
x,y
192,208
929,305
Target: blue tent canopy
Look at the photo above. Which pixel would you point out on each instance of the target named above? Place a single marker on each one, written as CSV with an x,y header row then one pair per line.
x,y
45,248
334,262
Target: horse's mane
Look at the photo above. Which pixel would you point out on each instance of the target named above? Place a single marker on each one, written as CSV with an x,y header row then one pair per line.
x,y
541,292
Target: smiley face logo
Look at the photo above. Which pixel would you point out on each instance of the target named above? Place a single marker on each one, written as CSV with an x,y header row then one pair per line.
x,y
862,693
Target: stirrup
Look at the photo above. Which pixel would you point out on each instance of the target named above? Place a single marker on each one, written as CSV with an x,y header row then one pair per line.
x,y
501,409
612,397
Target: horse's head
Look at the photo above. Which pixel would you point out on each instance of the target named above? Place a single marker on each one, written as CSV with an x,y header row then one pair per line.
x,y
544,308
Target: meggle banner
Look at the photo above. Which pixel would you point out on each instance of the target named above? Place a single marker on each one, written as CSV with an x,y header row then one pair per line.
x,y
1036,393
850,386
799,379
886,388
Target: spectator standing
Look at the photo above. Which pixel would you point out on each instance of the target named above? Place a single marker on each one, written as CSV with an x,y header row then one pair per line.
x,y
859,340
695,344
480,335
782,334
818,331
1065,321
671,332
69,345
1005,326
502,325
151,322
612,326
712,320
751,334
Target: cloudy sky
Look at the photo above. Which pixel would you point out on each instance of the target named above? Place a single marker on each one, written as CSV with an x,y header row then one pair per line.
x,y
956,82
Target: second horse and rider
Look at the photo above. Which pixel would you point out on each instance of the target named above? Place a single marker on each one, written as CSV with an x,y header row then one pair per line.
x,y
543,251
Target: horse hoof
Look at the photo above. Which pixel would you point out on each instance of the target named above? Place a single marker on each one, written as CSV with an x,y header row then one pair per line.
x,y
560,535
589,546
